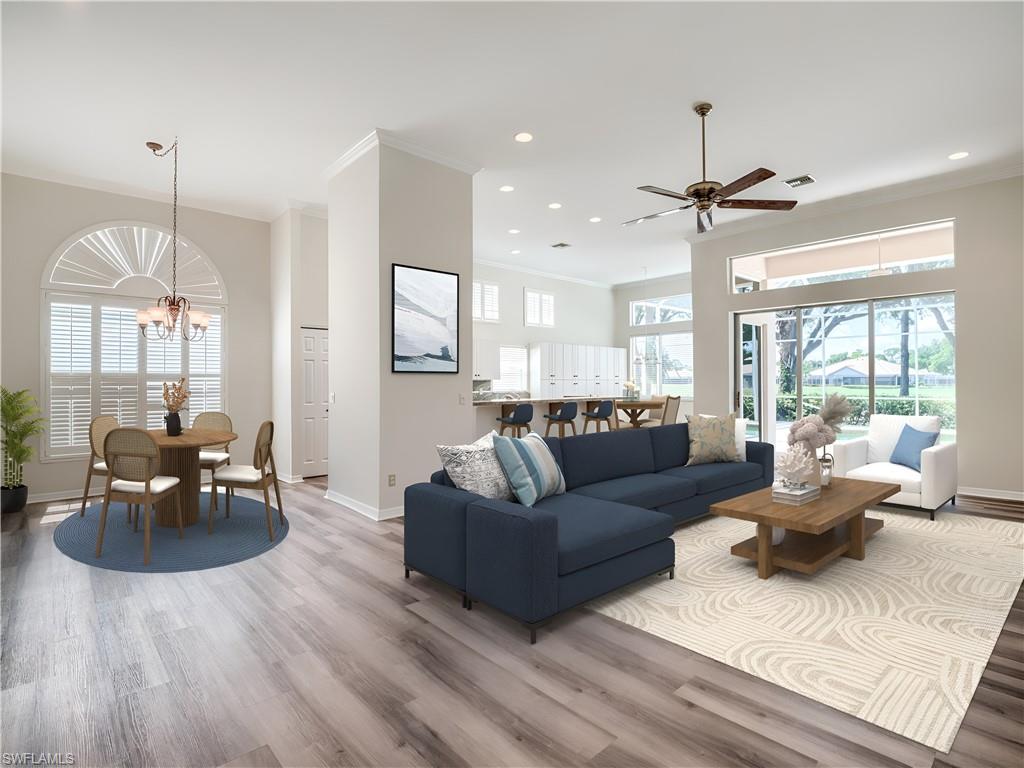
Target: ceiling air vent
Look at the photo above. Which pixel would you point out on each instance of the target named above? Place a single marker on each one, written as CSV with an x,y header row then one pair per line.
x,y
561,245
799,181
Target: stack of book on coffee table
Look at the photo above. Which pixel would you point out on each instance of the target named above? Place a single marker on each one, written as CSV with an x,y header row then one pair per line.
x,y
795,496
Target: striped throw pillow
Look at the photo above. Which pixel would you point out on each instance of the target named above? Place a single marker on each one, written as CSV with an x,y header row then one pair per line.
x,y
530,467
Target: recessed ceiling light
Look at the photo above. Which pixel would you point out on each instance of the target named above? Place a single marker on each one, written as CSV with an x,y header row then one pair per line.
x,y
595,219
523,137
513,231
515,252
959,155
554,206
506,188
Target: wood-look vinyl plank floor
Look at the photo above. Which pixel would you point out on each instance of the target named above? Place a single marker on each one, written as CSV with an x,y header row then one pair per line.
x,y
320,653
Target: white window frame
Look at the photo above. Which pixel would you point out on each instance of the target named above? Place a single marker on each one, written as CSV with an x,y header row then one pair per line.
x,y
541,296
56,291
96,301
499,385
659,335
482,286
653,302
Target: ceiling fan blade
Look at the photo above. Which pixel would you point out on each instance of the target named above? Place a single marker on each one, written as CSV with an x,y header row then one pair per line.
x,y
657,215
752,178
704,222
667,192
759,205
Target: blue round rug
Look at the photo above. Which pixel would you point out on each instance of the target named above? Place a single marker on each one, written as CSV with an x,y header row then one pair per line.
x,y
234,539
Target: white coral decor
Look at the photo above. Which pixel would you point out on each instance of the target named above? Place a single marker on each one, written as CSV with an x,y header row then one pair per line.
x,y
795,465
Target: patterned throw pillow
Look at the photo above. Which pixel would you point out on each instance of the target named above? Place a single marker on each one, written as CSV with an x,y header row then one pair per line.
x,y
475,468
712,439
530,467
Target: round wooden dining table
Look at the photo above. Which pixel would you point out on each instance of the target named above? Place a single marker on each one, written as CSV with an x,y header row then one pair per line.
x,y
179,457
635,409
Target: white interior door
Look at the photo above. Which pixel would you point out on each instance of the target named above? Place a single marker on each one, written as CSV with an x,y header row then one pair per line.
x,y
314,402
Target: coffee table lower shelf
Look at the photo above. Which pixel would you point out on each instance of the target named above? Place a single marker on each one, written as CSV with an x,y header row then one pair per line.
x,y
807,552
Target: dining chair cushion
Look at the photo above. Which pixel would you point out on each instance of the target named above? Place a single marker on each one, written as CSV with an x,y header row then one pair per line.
x,y
100,466
158,484
213,457
237,473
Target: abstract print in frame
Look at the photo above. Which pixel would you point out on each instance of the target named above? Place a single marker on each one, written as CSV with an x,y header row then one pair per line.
x,y
425,320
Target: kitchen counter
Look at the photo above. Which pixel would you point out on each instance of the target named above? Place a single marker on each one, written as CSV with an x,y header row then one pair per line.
x,y
577,399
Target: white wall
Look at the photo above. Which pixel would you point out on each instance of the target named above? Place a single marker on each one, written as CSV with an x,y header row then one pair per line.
x,y
584,313
389,206
298,274
39,215
987,280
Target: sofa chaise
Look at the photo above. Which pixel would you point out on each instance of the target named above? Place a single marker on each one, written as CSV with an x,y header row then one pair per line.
x,y
626,491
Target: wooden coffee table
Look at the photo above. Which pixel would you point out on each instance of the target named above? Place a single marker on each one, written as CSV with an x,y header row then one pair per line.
x,y
816,533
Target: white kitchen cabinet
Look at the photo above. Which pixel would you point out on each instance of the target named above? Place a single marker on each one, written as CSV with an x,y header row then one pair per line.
x,y
576,370
486,362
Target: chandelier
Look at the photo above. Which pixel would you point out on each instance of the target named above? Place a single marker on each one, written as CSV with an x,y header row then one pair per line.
x,y
173,314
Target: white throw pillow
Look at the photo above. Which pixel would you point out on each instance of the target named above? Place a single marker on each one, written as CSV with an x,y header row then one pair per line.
x,y
884,432
475,468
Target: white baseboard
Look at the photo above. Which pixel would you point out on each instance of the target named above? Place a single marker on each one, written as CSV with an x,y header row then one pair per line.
x,y
290,479
76,495
991,493
366,510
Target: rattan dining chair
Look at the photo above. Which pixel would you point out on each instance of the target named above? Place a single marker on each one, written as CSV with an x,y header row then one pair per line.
x,y
98,431
133,460
213,457
255,477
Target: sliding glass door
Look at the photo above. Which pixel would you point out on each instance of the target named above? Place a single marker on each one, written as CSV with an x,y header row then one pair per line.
x,y
886,356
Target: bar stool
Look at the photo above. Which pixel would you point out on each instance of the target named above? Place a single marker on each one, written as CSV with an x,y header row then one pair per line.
x,y
521,417
602,414
565,415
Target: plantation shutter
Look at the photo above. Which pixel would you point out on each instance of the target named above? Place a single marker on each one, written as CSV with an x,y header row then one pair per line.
x,y
163,364
204,370
512,365
478,311
119,365
547,309
533,308
70,382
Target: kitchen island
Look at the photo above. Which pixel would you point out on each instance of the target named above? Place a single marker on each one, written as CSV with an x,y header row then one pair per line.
x,y
488,411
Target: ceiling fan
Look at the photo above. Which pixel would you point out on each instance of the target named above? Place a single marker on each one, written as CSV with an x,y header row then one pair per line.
x,y
704,194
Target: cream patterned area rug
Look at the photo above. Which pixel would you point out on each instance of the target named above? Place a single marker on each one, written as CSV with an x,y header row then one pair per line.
x,y
899,639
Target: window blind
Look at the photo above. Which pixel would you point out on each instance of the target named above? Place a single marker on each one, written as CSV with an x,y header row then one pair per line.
x,y
70,383
513,369
540,308
205,370
119,365
485,301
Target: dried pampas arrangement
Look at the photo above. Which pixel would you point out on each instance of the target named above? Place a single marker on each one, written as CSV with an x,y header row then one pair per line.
x,y
176,395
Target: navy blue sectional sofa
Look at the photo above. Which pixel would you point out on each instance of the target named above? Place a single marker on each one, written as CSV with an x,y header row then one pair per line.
x,y
626,491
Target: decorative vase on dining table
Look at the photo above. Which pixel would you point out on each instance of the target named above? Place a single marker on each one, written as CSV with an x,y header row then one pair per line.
x,y
173,421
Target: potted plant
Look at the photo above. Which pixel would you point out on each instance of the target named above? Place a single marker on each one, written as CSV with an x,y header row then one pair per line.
x,y
20,419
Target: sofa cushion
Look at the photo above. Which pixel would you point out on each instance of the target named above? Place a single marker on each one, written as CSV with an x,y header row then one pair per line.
x,y
671,445
887,472
884,431
647,491
592,458
592,530
712,477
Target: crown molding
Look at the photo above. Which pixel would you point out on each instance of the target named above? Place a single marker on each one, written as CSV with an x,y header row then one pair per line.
x,y
381,137
542,273
904,191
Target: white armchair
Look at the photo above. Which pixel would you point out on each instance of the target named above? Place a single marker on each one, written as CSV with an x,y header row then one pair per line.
x,y
867,458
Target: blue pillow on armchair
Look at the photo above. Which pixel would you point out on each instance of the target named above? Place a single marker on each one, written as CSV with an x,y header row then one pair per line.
x,y
908,448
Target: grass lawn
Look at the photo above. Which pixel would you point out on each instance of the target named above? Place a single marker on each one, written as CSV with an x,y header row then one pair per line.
x,y
925,393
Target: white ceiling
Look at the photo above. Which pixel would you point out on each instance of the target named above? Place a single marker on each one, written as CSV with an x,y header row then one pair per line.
x,y
266,96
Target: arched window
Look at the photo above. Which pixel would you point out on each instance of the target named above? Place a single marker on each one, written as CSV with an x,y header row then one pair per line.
x,y
95,361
